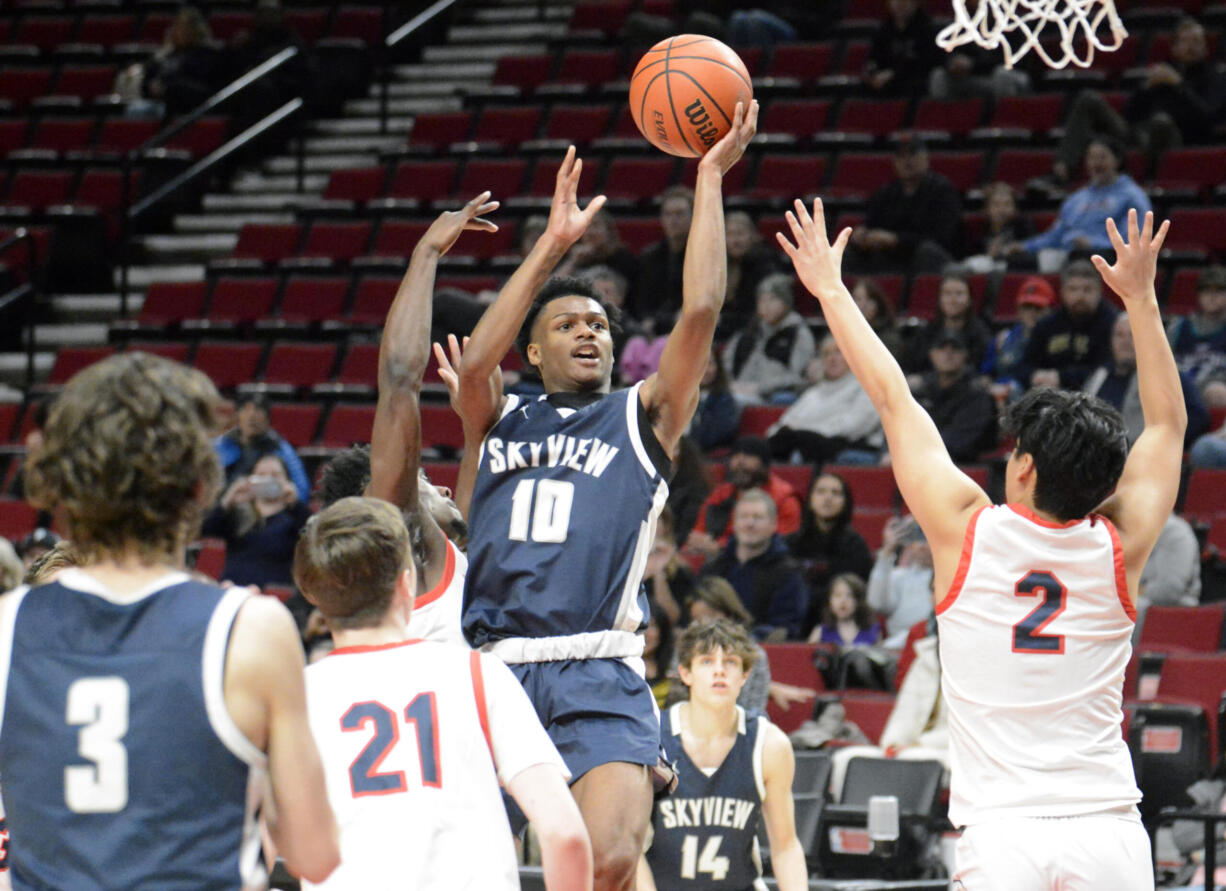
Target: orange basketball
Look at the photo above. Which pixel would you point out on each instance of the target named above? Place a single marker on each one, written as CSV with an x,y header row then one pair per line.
x,y
684,93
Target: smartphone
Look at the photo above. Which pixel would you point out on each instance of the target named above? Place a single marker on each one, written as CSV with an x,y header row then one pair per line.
x,y
264,486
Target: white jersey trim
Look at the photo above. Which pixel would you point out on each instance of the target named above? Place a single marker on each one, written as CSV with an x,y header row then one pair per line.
x,y
213,676
759,743
636,436
252,870
587,645
9,606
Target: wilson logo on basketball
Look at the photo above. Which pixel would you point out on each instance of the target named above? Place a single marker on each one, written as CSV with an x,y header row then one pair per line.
x,y
701,122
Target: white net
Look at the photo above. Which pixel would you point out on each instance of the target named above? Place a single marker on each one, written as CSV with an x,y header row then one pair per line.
x,y
1017,26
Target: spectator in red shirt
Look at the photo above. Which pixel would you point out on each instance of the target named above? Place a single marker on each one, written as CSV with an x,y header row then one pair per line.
x,y
748,468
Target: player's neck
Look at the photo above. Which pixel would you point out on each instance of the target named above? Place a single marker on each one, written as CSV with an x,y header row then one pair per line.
x,y
705,721
375,636
1027,501
129,571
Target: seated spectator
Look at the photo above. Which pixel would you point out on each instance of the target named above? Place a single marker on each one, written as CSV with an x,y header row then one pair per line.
x,y
877,310
826,545
955,312
750,260
911,225
601,246
903,52
268,35
259,517
1079,227
658,654
613,288
658,290
718,415
1209,451
831,416
639,356
900,584
960,405
757,564
187,69
1171,576
1199,339
251,439
669,581
714,598
36,544
749,467
766,361
1179,102
1066,345
918,726
1116,384
1007,351
846,618
1006,226
970,71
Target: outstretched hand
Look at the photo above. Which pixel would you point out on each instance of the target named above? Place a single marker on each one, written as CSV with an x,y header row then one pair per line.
x,y
1136,262
448,367
567,222
725,153
819,264
444,231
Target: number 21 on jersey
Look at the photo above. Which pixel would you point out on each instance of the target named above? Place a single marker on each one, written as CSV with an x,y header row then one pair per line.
x,y
365,778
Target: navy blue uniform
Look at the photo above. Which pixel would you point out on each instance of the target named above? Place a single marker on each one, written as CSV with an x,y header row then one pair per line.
x,y
705,832
563,517
122,766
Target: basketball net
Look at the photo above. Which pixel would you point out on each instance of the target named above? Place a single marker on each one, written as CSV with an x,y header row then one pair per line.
x,y
1015,26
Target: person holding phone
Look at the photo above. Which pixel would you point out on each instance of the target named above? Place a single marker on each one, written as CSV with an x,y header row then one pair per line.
x,y
259,517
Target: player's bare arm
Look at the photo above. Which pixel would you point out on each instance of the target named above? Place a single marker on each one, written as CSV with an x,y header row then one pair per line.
x,y
778,812
265,695
566,853
941,497
1148,487
404,352
499,325
448,361
671,394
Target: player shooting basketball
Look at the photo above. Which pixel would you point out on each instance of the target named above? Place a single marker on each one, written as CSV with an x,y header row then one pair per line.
x,y
1035,599
567,494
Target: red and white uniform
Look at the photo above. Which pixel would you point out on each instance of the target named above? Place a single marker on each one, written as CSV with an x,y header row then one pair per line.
x,y
436,614
1035,634
415,737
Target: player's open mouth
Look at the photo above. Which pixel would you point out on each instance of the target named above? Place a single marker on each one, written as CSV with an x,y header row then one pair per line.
x,y
587,355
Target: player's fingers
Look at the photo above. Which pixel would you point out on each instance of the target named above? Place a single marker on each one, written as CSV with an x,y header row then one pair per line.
x,y
798,231
1156,244
1113,233
802,214
1147,228
841,242
564,168
1133,231
788,247
472,205
482,225
1103,267
594,206
819,214
441,356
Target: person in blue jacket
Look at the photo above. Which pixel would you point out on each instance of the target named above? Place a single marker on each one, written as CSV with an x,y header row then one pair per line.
x,y
251,438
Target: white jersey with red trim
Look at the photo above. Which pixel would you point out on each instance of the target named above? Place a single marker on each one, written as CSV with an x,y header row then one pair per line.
x,y
436,614
1035,634
406,732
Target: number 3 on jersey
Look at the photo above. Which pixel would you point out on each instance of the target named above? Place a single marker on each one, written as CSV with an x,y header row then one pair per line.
x,y
364,775
1026,633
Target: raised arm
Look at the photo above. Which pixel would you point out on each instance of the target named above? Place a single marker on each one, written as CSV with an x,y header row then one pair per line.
x,y
941,497
473,434
500,324
671,394
395,442
1149,484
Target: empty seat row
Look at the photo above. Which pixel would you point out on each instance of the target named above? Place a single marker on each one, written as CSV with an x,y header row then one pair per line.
x,y
98,135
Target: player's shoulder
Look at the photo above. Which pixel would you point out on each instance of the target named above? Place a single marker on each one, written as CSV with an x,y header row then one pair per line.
x,y
777,752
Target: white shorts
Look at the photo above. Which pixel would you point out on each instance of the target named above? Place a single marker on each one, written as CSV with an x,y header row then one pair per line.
x,y
1094,852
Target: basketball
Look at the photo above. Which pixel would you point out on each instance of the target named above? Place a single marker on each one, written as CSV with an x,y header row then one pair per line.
x,y
684,92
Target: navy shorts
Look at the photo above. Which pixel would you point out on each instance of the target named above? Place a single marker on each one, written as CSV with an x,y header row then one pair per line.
x,y
595,710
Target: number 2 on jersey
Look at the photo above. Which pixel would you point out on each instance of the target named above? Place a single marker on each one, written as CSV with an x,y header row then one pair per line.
x,y
1027,636
364,775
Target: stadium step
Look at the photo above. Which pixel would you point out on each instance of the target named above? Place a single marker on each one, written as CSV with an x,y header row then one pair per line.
x,y
348,144
87,307
143,276
452,71
253,183
13,373
317,162
195,247
362,125
192,223
229,203
518,14
400,106
62,334
505,31
484,52
442,89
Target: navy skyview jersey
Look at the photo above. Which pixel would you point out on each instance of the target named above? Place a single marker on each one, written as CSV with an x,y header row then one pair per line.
x,y
704,834
122,766
563,517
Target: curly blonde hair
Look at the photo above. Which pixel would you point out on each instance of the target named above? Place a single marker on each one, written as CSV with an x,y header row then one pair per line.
x,y
128,459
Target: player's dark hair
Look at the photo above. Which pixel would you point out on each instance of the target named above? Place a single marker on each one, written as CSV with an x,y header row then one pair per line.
x,y
703,637
1079,444
348,559
563,286
345,476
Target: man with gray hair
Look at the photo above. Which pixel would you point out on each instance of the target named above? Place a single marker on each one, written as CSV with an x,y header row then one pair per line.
x,y
757,564
767,360
1066,345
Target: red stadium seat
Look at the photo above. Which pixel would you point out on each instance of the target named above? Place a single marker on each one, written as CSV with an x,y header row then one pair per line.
x,y
1201,168
1198,678
1183,628
17,519
308,23
228,364
798,476
734,179
639,179
855,55
228,25
123,135
174,351
803,61
360,184
590,67
870,486
868,711
295,421
787,176
39,189
958,117
237,301
106,30
85,82
860,173
1017,166
70,360
63,134
1204,498
638,233
20,85
508,127
579,124
364,23
545,174
963,169
201,137
1037,113
153,27
43,31
801,118
877,117
211,560
168,303
606,17
499,177
268,242
438,130
442,473
1181,298
8,419
441,428
300,364
13,134
792,663
313,299
1198,229
397,238
423,180
103,188
336,241
348,424
755,419
525,72
360,366
870,523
